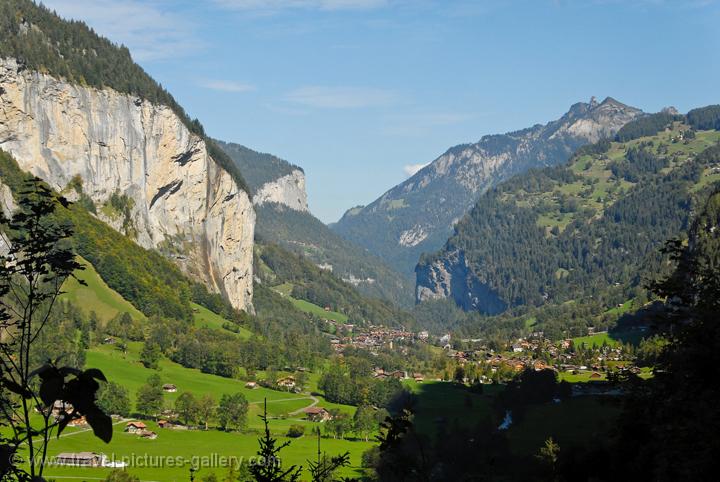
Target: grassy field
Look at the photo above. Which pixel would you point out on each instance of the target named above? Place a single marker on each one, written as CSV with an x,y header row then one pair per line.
x,y
97,296
206,318
180,447
286,288
318,311
611,338
579,421
125,369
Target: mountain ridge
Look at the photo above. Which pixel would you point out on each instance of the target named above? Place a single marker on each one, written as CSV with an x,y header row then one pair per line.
x,y
417,215
576,231
283,217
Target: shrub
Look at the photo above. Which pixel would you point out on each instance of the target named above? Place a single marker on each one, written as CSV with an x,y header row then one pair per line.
x,y
296,431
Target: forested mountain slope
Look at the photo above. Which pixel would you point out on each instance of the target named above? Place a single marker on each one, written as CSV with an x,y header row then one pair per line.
x,y
292,275
417,216
583,230
283,217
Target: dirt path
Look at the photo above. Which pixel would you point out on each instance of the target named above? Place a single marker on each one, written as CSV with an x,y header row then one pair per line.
x,y
315,402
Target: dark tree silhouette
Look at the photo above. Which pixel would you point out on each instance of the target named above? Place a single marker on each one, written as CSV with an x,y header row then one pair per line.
x,y
37,262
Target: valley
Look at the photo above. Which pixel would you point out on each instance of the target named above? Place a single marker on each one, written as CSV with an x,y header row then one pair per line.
x,y
537,305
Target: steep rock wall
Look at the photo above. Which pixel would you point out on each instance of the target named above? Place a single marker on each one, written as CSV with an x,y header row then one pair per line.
x,y
288,190
181,200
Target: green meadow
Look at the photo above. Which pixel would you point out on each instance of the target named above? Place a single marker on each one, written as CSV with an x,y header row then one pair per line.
x,y
180,447
125,369
97,296
206,318
286,288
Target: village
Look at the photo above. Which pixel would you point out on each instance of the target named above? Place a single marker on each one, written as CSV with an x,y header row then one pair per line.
x,y
488,365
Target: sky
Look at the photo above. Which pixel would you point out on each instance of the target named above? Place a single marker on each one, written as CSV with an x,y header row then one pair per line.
x,y
361,93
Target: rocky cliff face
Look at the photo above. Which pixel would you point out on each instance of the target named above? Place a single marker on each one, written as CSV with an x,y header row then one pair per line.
x,y
288,190
273,180
417,216
450,277
180,200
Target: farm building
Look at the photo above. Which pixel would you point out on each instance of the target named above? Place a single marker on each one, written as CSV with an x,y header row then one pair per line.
x,y
135,427
317,414
148,434
81,459
251,385
288,382
170,388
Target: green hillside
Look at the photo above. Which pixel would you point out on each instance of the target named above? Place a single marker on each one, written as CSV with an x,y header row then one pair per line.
x,y
582,232
311,289
304,234
258,168
97,296
207,319
126,369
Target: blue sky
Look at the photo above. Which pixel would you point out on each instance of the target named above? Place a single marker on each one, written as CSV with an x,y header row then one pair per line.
x,y
358,92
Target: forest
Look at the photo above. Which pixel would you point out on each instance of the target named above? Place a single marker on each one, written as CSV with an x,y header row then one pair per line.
x,y
589,231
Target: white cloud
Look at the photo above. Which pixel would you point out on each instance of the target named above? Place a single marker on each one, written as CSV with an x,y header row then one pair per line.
x,y
412,169
276,5
148,30
340,97
227,86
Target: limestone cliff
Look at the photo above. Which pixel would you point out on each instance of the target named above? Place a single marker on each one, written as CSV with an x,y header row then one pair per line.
x,y
273,180
181,201
450,277
288,190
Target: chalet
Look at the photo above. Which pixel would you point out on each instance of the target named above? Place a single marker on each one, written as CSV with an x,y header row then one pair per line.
x,y
170,388
595,375
418,377
80,459
251,385
317,414
135,427
148,434
109,340
287,382
164,424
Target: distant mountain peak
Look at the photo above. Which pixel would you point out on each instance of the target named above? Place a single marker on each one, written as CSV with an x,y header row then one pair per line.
x,y
417,215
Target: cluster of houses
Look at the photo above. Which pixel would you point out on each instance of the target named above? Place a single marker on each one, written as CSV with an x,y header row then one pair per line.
x,y
375,337
538,353
139,428
381,374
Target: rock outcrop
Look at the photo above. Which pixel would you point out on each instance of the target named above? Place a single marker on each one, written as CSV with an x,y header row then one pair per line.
x,y
288,190
450,277
117,144
273,180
